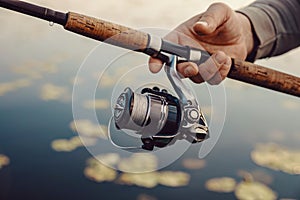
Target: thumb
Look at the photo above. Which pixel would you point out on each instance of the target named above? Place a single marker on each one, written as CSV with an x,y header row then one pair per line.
x,y
216,15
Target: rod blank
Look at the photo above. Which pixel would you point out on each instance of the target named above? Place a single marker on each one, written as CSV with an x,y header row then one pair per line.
x,y
35,11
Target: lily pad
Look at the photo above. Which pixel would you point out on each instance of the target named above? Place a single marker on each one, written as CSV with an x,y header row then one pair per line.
x,y
222,185
63,145
53,92
190,163
256,175
147,180
71,144
277,157
109,159
4,160
139,163
88,129
173,179
97,104
98,172
145,197
254,191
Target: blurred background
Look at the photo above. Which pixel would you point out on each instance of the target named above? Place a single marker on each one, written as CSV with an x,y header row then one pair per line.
x,y
41,158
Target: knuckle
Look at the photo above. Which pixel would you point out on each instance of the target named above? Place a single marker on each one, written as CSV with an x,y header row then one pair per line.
x,y
220,4
209,16
223,74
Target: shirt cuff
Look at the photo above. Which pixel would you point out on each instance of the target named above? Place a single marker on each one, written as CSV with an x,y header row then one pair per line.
x,y
263,31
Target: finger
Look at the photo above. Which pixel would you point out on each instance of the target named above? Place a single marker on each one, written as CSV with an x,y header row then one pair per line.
x,y
212,66
187,69
155,65
212,18
197,79
190,70
222,73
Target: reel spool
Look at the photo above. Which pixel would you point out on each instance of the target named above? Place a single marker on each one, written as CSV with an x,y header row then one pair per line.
x,y
159,118
153,114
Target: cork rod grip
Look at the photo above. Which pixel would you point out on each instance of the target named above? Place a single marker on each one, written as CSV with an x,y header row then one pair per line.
x,y
264,77
106,31
136,40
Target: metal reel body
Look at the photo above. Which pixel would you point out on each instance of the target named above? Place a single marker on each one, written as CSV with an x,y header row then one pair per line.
x,y
159,117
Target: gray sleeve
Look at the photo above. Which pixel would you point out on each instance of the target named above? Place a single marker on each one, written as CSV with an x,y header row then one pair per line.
x,y
276,26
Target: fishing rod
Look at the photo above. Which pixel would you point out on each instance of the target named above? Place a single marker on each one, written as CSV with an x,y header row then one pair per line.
x,y
159,117
151,45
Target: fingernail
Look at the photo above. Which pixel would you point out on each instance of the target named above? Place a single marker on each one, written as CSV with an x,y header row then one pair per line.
x,y
154,67
188,71
219,58
203,23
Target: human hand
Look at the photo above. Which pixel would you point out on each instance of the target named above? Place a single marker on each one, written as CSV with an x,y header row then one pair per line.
x,y
219,30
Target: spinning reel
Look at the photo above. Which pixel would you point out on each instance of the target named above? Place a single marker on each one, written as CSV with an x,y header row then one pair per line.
x,y
159,117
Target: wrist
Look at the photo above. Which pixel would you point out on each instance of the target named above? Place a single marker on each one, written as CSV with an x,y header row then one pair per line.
x,y
247,32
